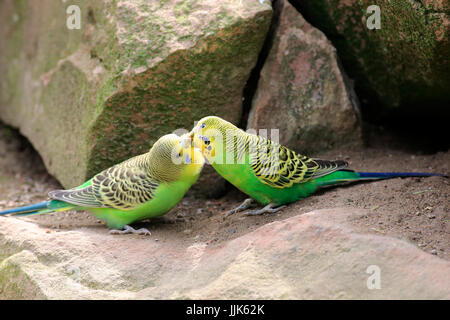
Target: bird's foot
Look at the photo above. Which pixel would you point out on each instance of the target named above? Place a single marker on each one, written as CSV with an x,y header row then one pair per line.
x,y
270,208
127,229
244,205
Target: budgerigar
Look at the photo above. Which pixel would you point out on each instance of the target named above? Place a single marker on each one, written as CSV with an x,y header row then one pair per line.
x,y
268,172
145,186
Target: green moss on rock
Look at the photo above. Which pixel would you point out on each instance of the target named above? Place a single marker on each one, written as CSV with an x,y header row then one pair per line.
x,y
14,282
401,64
136,70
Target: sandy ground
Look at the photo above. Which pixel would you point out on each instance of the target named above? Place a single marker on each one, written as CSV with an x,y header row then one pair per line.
x,y
415,209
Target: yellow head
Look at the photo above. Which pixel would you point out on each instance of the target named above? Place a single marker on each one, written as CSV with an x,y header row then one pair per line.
x,y
210,135
173,157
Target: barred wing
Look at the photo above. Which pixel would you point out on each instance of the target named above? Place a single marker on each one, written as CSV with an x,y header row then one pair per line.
x,y
280,167
122,187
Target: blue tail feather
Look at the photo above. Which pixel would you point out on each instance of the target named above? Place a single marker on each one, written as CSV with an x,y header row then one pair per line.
x,y
27,209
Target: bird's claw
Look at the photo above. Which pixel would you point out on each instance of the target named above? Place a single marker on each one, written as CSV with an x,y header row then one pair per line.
x,y
127,229
267,209
243,206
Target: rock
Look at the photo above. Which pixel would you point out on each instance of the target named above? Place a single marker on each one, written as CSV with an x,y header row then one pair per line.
x,y
302,91
89,98
404,64
317,255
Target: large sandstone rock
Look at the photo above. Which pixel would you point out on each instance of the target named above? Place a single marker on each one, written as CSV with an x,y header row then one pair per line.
x,y
302,90
317,255
136,70
402,65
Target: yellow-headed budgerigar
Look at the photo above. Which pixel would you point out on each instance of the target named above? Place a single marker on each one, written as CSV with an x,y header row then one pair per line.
x,y
268,172
145,186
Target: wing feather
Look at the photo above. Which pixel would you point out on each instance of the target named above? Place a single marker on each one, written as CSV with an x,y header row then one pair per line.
x,y
124,186
80,197
280,167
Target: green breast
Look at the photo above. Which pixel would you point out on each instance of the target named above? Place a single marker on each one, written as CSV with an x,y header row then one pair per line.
x,y
166,196
243,178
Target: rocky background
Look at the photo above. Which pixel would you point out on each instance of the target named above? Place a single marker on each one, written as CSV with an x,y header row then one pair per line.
x,y
88,98
91,97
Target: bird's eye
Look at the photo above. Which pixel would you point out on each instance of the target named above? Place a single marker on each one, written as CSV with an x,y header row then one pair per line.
x,y
179,154
202,126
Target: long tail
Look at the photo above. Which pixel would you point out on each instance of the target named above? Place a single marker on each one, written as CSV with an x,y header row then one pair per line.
x,y
38,208
342,176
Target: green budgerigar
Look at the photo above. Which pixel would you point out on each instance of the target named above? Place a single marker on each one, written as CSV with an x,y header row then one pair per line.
x,y
268,172
145,186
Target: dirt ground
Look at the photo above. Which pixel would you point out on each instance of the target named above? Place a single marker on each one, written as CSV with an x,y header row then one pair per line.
x,y
416,209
